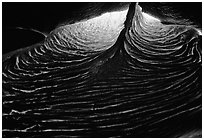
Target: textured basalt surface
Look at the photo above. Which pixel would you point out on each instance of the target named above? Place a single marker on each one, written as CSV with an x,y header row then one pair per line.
x,y
116,75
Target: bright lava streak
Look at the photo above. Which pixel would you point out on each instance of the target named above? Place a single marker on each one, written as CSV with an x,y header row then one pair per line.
x,y
150,18
94,34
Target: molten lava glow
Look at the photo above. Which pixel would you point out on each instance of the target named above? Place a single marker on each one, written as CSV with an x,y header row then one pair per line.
x,y
150,18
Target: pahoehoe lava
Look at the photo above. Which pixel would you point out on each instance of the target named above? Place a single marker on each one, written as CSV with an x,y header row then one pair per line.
x,y
119,74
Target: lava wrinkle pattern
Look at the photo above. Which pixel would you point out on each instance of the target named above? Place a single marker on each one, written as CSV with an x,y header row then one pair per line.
x,y
105,70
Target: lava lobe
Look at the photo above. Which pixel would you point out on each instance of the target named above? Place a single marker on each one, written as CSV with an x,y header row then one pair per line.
x,y
120,74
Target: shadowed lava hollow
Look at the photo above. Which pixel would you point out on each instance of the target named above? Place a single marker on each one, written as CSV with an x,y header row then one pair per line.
x,y
119,74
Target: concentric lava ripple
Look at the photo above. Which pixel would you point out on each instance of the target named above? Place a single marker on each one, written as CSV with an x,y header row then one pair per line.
x,y
120,74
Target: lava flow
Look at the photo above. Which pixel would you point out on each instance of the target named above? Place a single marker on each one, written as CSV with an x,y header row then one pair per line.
x,y
120,74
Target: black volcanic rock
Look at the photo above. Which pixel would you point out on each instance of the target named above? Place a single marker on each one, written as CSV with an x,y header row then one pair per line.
x,y
118,74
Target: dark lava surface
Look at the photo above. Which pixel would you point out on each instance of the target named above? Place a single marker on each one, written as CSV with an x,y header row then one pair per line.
x,y
120,74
